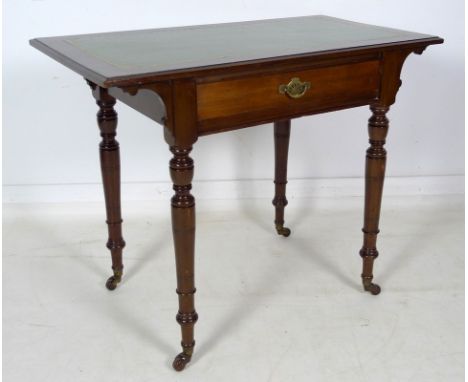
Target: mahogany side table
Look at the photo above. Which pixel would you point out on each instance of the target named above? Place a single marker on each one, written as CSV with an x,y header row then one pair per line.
x,y
202,80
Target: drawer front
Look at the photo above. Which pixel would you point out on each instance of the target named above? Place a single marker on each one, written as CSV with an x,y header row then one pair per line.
x,y
258,98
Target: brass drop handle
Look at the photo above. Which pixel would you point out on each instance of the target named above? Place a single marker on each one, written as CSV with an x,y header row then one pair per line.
x,y
295,88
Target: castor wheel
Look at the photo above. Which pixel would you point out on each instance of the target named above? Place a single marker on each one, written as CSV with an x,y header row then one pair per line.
x,y
112,282
372,288
180,361
283,231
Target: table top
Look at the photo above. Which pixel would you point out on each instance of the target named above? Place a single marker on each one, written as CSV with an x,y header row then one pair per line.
x,y
109,57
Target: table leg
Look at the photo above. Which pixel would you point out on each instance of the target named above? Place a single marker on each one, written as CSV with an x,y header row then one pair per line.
x,y
375,174
110,169
281,132
183,228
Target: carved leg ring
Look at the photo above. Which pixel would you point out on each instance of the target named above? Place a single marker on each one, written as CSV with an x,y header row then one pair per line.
x,y
281,133
375,173
110,169
183,228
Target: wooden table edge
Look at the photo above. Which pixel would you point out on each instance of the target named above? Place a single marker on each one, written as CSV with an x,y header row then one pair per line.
x,y
145,78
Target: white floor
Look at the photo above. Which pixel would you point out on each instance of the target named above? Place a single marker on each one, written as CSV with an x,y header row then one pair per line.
x,y
270,308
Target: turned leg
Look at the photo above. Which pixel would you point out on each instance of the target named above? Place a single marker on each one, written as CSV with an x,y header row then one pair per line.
x,y
110,168
375,174
183,229
282,131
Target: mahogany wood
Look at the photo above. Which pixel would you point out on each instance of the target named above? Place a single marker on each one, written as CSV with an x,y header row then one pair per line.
x,y
146,56
282,131
375,174
110,169
183,229
180,139
146,102
208,79
330,87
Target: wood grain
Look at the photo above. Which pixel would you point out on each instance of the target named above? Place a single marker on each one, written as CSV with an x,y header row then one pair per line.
x,y
209,79
330,87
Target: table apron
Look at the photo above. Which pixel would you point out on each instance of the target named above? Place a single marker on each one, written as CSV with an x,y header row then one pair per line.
x,y
247,100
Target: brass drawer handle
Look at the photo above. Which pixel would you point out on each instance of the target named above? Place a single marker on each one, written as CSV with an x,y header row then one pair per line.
x,y
295,88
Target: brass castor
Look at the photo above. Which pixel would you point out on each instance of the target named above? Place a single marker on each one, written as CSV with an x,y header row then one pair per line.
x,y
112,281
283,231
372,288
180,361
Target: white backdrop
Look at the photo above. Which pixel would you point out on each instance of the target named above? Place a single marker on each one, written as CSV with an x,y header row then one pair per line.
x,y
51,137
